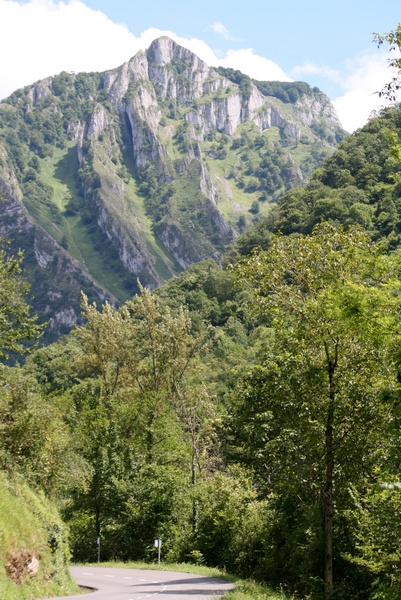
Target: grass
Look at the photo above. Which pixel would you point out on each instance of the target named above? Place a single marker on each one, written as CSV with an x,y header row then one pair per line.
x,y
26,521
92,250
245,589
129,212
165,264
240,201
244,161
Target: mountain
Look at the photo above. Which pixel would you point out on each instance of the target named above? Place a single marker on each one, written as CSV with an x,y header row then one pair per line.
x,y
138,172
360,184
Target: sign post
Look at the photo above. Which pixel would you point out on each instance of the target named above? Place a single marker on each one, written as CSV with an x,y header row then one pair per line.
x,y
158,545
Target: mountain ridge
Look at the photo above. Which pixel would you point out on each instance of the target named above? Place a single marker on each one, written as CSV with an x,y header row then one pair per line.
x,y
139,171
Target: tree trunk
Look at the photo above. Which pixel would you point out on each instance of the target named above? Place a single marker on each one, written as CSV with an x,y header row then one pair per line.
x,y
194,502
97,521
328,507
328,491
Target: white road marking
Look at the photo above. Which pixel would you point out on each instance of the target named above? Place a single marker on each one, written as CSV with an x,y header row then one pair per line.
x,y
127,577
109,575
86,573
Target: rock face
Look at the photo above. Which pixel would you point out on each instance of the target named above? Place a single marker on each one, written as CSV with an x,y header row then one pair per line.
x,y
51,264
137,172
21,565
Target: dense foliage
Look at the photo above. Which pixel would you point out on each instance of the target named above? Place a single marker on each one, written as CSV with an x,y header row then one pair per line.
x,y
201,415
313,411
17,326
33,449
359,184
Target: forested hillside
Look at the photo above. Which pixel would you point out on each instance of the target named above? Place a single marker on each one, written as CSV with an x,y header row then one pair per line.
x,y
34,550
229,419
360,184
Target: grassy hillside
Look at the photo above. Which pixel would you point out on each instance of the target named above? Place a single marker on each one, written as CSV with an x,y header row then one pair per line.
x,y
31,536
359,184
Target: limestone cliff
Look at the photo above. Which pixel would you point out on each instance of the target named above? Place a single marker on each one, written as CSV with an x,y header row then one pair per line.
x,y
58,301
139,171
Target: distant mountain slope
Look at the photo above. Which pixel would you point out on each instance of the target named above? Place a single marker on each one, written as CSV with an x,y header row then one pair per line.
x,y
359,184
145,169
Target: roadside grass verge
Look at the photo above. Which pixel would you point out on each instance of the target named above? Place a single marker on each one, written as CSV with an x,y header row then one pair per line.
x,y
246,589
30,528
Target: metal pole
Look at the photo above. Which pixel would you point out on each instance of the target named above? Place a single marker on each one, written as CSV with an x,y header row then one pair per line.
x,y
159,543
98,549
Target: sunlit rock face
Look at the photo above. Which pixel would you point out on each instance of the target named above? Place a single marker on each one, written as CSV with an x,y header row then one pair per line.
x,y
133,174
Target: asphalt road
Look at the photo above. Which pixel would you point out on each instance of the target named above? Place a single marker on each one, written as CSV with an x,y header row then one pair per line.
x,y
134,584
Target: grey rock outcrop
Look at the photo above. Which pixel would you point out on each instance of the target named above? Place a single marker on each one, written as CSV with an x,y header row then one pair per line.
x,y
146,165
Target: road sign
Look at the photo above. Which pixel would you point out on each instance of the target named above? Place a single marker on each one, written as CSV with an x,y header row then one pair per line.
x,y
158,544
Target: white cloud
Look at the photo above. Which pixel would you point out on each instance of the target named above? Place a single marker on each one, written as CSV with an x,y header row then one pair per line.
x,y
222,30
366,76
253,65
311,69
44,37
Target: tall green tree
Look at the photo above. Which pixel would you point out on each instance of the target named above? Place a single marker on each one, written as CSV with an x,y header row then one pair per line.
x,y
35,440
333,299
142,423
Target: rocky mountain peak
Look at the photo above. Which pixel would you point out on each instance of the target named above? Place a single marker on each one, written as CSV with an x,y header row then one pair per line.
x,y
138,172
164,51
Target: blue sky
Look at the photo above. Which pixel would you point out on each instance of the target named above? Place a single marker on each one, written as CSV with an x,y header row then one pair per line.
x,y
287,32
328,44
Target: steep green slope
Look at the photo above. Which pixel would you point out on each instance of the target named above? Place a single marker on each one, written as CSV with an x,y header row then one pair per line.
x,y
33,545
359,184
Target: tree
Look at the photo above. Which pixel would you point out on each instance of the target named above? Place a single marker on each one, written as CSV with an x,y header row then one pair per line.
x,y
393,39
333,299
34,438
107,340
16,325
255,208
139,421
378,532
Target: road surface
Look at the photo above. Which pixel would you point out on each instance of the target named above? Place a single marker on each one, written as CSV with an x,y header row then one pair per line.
x,y
135,584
